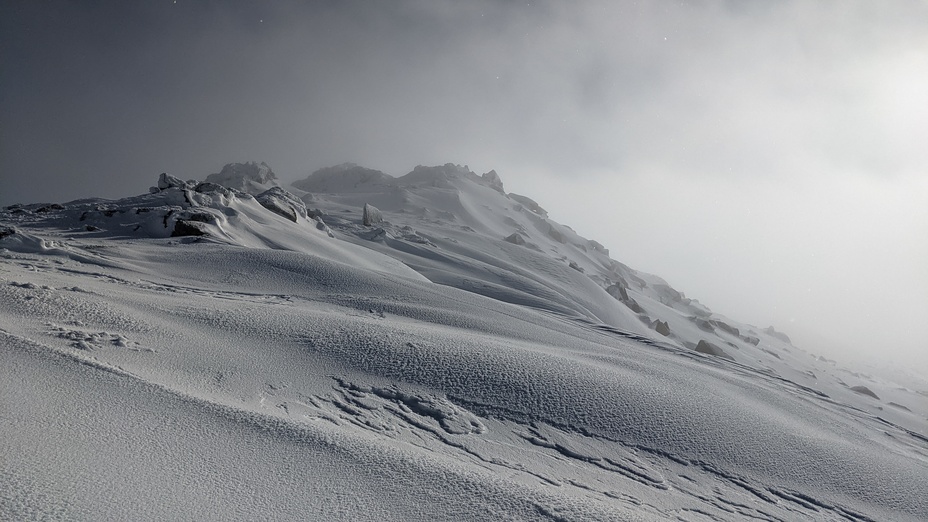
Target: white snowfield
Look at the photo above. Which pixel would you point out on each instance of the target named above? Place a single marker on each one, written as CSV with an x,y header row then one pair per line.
x,y
201,353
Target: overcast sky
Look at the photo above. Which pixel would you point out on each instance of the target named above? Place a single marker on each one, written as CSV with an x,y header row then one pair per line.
x,y
767,158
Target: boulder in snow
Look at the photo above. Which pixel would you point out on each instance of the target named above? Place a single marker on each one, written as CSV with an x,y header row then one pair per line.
x,y
372,215
710,349
515,238
529,203
492,179
166,181
282,203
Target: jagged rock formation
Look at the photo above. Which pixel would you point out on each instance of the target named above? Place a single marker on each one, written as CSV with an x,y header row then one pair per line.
x,y
516,239
282,203
529,203
250,177
372,215
661,327
492,179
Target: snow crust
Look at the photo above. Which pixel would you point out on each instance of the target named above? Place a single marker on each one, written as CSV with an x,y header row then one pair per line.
x,y
200,352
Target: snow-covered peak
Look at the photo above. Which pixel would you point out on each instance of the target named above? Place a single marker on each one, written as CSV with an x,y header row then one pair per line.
x,y
346,177
250,177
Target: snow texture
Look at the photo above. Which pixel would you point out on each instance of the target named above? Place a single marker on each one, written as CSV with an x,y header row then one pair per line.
x,y
214,351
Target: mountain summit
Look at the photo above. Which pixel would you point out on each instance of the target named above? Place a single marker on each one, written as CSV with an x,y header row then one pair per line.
x,y
359,346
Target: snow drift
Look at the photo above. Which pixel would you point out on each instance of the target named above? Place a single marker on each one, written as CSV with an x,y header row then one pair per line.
x,y
231,350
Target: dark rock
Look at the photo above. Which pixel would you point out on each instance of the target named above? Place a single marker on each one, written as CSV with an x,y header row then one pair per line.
x,y
49,208
529,203
576,267
208,187
282,203
372,215
863,390
6,232
492,179
250,177
779,335
515,238
661,327
703,324
618,291
710,349
187,228
166,181
726,327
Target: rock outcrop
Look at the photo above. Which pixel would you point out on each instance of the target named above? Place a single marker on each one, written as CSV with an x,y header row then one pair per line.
x,y
282,203
771,331
863,390
515,238
371,216
250,177
710,349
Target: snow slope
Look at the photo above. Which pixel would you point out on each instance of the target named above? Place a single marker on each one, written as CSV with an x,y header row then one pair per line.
x,y
200,352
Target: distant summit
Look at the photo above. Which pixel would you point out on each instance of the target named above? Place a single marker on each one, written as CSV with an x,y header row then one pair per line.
x,y
345,177
253,178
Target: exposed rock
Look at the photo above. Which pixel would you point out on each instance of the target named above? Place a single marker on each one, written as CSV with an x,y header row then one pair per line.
x,y
372,215
661,327
779,335
575,266
342,178
863,390
184,227
703,324
8,231
598,247
166,181
750,339
282,203
618,291
515,238
208,188
710,349
249,177
492,179
529,203
901,407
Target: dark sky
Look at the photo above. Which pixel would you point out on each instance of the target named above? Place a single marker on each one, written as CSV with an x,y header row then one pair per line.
x,y
768,158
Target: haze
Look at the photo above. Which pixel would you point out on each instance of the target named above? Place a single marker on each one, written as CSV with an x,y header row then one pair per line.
x,y
768,159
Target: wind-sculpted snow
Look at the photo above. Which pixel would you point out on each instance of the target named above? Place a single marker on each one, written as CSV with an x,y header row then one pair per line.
x,y
268,370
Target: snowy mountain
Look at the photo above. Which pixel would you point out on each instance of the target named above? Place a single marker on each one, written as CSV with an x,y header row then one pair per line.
x,y
360,346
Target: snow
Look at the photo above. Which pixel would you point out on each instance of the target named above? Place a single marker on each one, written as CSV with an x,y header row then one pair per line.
x,y
292,363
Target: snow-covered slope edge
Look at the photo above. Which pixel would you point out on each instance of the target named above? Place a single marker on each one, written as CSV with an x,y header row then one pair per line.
x,y
268,368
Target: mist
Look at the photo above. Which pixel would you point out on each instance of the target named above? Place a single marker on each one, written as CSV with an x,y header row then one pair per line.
x,y
765,158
